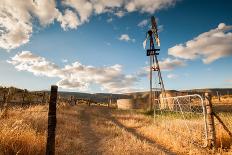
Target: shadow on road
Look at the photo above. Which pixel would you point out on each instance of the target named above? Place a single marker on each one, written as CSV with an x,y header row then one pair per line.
x,y
141,137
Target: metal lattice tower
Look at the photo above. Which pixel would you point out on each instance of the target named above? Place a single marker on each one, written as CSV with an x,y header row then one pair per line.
x,y
152,52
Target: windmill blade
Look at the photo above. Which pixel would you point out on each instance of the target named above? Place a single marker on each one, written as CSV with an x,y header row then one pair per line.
x,y
145,42
157,40
153,24
155,30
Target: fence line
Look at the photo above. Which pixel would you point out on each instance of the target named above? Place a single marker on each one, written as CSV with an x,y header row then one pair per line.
x,y
50,147
196,118
188,110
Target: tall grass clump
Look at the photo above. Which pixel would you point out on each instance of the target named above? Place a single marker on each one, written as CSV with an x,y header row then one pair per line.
x,y
18,134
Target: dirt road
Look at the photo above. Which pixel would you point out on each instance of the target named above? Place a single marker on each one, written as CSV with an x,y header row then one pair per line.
x,y
102,132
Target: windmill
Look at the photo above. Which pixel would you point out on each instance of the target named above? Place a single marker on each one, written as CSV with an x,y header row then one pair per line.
x,y
152,52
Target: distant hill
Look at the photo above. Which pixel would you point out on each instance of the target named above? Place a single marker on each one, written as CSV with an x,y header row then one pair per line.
x,y
104,97
213,91
98,97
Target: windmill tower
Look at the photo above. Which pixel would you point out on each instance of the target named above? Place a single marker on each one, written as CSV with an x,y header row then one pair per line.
x,y
152,53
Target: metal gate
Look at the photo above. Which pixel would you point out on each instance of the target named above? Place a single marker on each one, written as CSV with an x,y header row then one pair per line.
x,y
184,116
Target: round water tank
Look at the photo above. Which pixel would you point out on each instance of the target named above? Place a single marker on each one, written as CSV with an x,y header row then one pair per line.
x,y
126,104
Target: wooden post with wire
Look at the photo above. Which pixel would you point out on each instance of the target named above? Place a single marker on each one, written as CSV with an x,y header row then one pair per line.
x,y
218,96
50,147
223,124
210,121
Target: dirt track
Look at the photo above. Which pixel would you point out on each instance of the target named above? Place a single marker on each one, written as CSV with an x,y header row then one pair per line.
x,y
102,133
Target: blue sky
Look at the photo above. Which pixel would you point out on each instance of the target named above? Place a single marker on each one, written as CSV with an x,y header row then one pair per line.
x,y
89,53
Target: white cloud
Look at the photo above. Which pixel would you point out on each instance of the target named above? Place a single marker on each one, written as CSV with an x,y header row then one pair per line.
x,y
120,13
16,17
39,66
143,23
167,64
45,10
84,8
16,20
15,24
64,60
76,75
170,64
126,37
149,6
208,46
102,6
68,20
172,76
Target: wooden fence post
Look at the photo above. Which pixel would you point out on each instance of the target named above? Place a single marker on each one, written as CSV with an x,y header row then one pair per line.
x,y
43,98
4,98
50,147
210,121
218,96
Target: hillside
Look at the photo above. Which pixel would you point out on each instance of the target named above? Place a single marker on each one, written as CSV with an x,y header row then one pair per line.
x,y
104,97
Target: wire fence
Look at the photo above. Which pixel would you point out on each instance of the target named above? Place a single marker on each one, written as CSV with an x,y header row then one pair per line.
x,y
184,116
223,129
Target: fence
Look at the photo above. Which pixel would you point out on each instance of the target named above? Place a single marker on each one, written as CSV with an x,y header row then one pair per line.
x,y
220,126
50,145
25,99
184,116
193,119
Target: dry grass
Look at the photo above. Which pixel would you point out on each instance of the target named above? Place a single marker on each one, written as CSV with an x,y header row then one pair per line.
x,y
98,130
172,133
225,99
224,141
80,130
21,132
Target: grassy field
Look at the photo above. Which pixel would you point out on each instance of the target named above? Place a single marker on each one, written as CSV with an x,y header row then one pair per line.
x,y
97,130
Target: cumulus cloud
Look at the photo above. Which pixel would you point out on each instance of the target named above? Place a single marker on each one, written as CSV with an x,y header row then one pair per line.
x,y
84,8
39,66
149,6
167,64
143,23
69,20
120,13
76,75
16,20
45,10
208,46
16,17
126,37
15,25
170,64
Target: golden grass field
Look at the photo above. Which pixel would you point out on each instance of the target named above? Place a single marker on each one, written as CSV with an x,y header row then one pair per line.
x,y
98,130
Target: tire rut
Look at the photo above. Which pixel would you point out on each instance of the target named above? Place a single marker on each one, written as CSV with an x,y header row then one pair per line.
x,y
88,135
